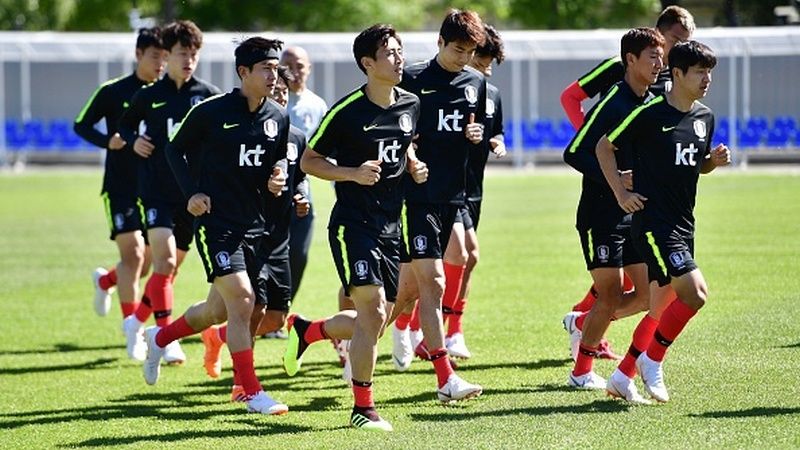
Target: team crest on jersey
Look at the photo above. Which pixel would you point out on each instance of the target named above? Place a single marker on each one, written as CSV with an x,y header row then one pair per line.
x,y
677,260
270,128
119,220
602,253
420,243
196,99
223,260
152,214
405,123
699,129
291,152
489,108
471,94
362,269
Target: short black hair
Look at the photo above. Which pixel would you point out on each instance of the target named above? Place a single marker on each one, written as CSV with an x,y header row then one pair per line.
x,y
183,31
285,74
255,49
368,41
149,37
493,46
675,15
462,26
637,40
691,53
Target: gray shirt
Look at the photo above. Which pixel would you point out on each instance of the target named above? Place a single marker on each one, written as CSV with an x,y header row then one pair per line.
x,y
306,110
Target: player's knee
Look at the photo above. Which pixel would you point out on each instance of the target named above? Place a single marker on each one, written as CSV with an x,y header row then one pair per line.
x,y
472,258
165,265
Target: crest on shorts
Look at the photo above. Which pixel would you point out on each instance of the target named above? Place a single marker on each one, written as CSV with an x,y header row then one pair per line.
x,y
602,253
405,123
677,260
471,94
196,99
420,243
119,220
152,214
362,269
699,128
270,128
223,260
291,151
489,108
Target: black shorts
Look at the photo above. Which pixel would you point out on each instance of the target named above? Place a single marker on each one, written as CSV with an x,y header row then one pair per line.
x,y
464,217
603,248
474,210
274,288
667,255
429,228
363,258
224,252
124,214
174,216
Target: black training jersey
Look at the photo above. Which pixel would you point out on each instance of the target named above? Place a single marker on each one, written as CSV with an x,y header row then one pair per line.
x,y
354,131
108,102
280,209
230,154
161,106
447,100
663,83
476,164
669,148
602,77
598,207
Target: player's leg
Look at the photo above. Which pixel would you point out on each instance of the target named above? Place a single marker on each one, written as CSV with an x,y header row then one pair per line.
x,y
404,340
454,263
131,247
301,231
454,338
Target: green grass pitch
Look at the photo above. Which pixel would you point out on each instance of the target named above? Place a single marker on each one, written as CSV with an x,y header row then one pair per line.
x,y
65,380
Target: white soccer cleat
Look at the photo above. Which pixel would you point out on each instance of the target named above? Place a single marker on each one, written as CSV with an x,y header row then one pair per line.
x,y
457,389
347,368
620,386
416,338
264,404
588,380
173,354
575,334
457,346
152,362
652,373
102,297
402,351
134,338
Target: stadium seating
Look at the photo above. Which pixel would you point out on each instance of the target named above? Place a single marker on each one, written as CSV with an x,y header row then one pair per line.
x,y
40,135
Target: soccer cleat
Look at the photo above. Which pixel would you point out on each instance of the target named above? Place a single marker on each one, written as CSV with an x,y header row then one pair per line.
x,y
212,359
589,380
152,362
402,352
134,338
575,334
457,389
604,351
238,394
296,345
264,404
416,337
652,373
368,419
173,354
457,346
277,334
620,386
102,297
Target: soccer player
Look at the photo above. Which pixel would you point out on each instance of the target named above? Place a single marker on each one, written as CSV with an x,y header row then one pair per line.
x,y
369,133
226,154
120,181
670,138
603,227
161,106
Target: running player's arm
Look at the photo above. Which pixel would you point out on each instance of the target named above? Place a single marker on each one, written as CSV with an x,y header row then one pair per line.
x,y
580,153
475,131
302,204
93,111
497,142
718,156
623,134
279,163
129,123
182,153
596,81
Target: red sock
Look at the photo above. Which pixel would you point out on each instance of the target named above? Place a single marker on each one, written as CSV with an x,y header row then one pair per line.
x,y
223,335
642,336
402,321
453,276
454,325
237,380
675,317
583,364
580,319
128,308
244,367
362,393
441,364
587,302
108,280
316,331
144,309
414,323
159,290
174,331
627,283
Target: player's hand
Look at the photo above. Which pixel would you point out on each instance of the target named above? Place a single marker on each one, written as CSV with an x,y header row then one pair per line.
x,y
199,204
418,170
277,181
368,173
473,131
720,155
116,142
498,147
301,205
626,176
143,147
631,201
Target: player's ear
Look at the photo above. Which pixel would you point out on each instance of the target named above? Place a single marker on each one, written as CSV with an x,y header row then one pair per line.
x,y
367,62
139,54
630,59
242,71
440,42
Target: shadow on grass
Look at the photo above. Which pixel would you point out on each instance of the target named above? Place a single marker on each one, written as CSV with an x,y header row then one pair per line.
x,y
464,366
100,363
752,412
452,415
797,345
63,348
431,395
